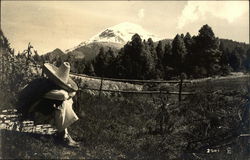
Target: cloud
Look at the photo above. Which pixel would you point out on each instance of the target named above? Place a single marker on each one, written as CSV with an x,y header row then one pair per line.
x,y
197,10
141,13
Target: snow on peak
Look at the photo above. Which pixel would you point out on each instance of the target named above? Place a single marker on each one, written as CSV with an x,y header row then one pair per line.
x,y
122,33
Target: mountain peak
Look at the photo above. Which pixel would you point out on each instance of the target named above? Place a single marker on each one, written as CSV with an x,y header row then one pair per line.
x,y
119,34
122,33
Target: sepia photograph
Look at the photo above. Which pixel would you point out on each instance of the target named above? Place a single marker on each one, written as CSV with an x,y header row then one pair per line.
x,y
125,80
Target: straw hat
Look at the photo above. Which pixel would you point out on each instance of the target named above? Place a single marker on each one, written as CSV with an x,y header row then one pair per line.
x,y
60,76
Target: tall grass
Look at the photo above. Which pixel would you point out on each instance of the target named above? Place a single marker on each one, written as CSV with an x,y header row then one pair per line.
x,y
159,126
148,126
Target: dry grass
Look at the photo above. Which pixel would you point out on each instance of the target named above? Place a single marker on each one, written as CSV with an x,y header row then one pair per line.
x,y
18,145
133,126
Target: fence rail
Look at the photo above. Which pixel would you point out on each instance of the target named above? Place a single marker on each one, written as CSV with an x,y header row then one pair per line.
x,y
125,80
132,80
180,82
138,92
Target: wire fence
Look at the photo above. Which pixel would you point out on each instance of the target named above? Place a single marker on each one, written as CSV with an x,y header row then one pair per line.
x,y
102,79
132,80
160,92
137,92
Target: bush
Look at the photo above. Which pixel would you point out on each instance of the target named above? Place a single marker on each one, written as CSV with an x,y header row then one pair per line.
x,y
17,71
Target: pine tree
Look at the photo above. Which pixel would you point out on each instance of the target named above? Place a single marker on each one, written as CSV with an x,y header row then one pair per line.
x,y
224,62
160,51
206,54
153,58
206,38
135,60
189,43
109,63
167,58
99,63
168,65
89,69
247,61
159,64
4,44
119,68
179,53
236,59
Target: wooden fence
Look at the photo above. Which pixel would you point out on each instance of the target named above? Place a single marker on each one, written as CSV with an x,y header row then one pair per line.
x,y
179,82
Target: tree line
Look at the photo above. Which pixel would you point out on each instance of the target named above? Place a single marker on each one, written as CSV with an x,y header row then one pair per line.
x,y
191,56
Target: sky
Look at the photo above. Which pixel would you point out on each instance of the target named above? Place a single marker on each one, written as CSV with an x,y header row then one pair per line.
x,y
65,24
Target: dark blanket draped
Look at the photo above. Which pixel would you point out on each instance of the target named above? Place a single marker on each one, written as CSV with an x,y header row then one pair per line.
x,y
34,92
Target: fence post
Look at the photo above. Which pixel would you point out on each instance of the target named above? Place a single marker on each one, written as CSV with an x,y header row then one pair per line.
x,y
162,113
180,88
2,69
100,90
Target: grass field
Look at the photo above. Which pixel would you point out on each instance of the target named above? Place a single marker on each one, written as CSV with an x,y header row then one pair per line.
x,y
133,126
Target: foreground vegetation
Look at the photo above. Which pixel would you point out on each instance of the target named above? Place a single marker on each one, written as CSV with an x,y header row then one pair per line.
x,y
159,126
129,126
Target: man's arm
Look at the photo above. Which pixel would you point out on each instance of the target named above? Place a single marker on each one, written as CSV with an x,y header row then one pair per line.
x,y
60,95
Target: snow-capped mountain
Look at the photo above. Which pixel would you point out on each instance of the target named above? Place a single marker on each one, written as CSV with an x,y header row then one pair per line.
x,y
120,34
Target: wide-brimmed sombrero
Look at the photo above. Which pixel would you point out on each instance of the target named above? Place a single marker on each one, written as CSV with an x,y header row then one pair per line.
x,y
60,76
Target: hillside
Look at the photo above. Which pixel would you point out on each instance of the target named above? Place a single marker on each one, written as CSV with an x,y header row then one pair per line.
x,y
231,45
89,51
54,55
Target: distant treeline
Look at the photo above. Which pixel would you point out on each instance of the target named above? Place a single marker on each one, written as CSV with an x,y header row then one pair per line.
x,y
191,56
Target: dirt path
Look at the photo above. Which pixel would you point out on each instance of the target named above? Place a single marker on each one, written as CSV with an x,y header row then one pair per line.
x,y
9,121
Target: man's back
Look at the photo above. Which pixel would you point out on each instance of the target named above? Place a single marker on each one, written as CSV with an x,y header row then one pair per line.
x,y
32,93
